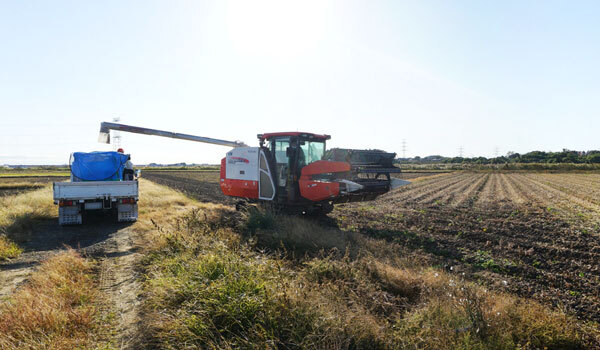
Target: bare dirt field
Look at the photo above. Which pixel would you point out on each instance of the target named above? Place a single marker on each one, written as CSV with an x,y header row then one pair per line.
x,y
535,235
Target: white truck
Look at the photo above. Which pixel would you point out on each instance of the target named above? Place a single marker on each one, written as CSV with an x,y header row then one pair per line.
x,y
75,197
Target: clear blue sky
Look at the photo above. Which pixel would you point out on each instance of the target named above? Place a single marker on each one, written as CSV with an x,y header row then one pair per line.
x,y
517,75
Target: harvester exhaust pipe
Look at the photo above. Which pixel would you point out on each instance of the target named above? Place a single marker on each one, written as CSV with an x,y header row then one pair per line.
x,y
105,127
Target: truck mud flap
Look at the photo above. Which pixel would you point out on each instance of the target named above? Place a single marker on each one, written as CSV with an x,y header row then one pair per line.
x,y
127,212
69,215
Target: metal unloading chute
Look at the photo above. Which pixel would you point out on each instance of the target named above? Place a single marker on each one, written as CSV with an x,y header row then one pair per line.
x,y
105,128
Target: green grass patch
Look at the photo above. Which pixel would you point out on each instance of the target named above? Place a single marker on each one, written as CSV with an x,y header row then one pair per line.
x,y
8,249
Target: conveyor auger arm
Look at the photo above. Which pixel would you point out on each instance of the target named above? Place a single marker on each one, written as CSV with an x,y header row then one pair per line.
x,y
105,128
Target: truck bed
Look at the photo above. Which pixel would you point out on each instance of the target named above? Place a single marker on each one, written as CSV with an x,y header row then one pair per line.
x,y
94,190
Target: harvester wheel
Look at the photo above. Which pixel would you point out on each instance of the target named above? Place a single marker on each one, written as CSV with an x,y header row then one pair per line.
x,y
326,208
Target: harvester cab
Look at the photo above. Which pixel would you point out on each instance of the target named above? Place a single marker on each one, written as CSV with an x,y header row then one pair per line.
x,y
294,170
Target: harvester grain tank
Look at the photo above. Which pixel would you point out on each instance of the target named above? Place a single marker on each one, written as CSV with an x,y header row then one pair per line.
x,y
292,169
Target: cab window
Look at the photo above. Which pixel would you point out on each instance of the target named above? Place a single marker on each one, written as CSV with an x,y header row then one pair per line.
x,y
311,151
280,147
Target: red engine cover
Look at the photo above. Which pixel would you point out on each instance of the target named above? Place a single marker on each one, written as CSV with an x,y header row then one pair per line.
x,y
320,190
237,188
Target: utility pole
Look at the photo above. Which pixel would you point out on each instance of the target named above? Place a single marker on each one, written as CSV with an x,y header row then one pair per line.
x,y
460,151
496,152
404,148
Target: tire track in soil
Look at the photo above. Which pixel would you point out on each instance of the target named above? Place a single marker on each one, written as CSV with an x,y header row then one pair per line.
x,y
471,194
119,281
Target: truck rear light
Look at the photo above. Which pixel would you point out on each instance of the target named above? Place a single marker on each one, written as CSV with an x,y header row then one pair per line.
x,y
127,201
66,203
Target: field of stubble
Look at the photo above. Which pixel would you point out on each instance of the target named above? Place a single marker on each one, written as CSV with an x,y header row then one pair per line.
x,y
532,234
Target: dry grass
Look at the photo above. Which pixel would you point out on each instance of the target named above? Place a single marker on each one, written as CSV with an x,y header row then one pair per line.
x,y
33,205
55,309
19,185
35,174
209,284
19,214
160,205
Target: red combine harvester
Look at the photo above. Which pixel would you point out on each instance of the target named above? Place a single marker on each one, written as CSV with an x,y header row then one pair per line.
x,y
293,169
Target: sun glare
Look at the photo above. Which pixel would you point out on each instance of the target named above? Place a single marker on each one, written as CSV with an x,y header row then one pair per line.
x,y
278,29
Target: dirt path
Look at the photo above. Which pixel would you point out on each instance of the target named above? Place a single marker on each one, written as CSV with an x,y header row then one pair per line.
x,y
119,281
15,272
111,243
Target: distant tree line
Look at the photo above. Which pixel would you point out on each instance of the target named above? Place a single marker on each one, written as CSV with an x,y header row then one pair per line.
x,y
566,156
